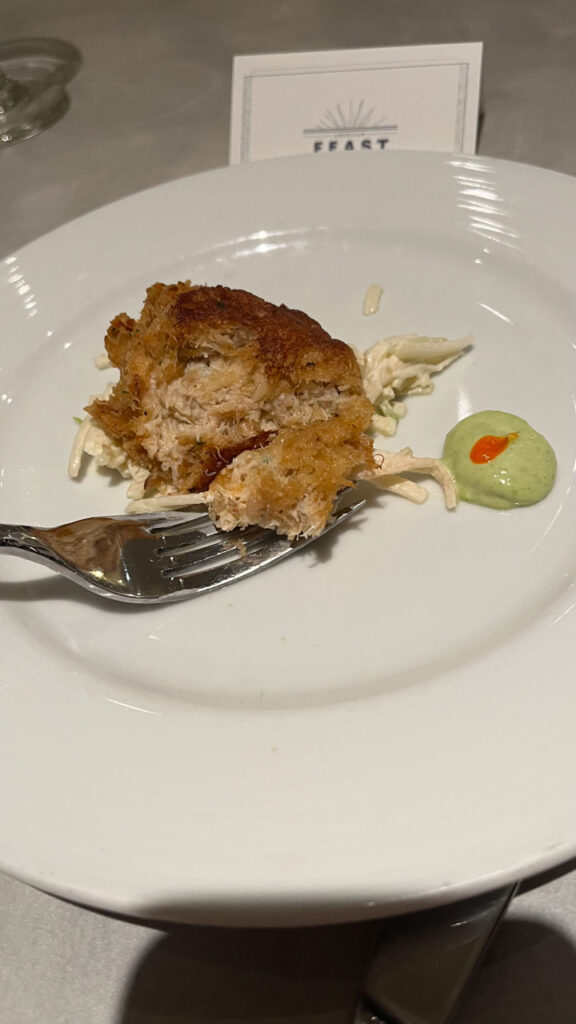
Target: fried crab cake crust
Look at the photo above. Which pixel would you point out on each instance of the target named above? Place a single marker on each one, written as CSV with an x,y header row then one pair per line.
x,y
208,375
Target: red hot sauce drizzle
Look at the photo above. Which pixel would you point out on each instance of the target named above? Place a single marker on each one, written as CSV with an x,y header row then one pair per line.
x,y
490,446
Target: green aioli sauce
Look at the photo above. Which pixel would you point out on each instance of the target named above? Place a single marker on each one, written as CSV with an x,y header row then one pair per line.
x,y
522,473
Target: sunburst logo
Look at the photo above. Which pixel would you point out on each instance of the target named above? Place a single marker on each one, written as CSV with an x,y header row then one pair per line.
x,y
351,125
354,118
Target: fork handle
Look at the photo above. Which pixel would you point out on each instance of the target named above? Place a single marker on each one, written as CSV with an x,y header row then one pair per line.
x,y
24,541
12,536
28,542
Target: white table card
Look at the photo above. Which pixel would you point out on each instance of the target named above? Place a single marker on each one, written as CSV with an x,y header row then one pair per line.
x,y
408,97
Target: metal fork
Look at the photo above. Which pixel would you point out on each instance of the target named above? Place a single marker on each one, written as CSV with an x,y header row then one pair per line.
x,y
149,559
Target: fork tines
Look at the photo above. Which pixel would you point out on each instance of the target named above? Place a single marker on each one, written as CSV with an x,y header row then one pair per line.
x,y
190,546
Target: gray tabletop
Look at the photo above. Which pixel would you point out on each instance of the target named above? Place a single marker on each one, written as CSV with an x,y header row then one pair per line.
x,y
150,104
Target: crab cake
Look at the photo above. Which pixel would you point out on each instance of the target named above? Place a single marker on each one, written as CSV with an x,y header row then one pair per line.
x,y
253,404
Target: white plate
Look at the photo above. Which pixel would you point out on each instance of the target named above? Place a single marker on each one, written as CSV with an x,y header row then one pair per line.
x,y
379,724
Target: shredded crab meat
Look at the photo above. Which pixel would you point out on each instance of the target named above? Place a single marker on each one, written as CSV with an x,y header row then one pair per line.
x,y
93,441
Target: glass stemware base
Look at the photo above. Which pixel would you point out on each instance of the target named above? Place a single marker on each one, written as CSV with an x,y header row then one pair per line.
x,y
33,77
